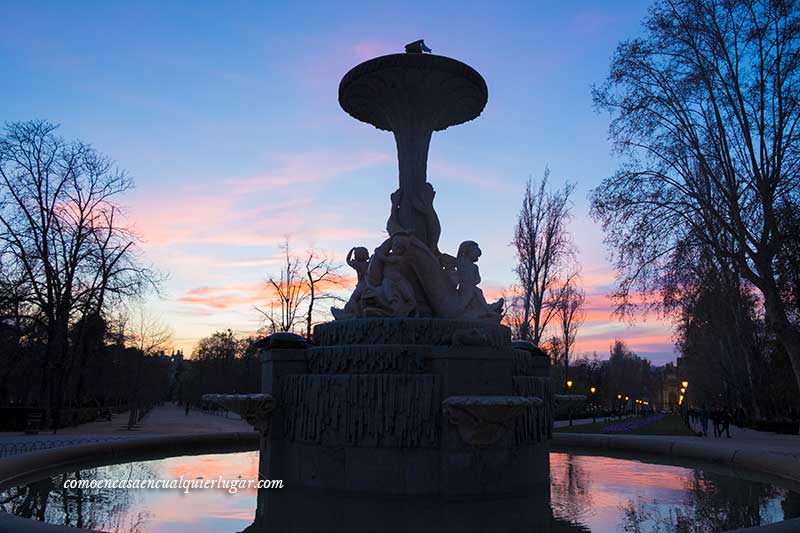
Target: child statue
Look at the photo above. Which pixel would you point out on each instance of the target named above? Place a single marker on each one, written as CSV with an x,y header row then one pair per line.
x,y
358,259
469,277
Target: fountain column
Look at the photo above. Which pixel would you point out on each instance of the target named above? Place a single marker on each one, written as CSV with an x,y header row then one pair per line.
x,y
416,387
412,95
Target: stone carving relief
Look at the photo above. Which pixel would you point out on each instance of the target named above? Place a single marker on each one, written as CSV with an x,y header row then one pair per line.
x,y
484,420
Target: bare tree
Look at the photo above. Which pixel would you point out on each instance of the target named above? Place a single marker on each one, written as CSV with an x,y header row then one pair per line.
x,y
545,254
58,233
290,292
301,284
150,336
706,107
569,310
322,275
147,332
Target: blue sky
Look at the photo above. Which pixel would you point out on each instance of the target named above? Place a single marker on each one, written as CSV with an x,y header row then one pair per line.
x,y
226,115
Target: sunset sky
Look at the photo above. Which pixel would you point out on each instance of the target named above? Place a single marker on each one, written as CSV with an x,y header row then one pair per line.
x,y
226,115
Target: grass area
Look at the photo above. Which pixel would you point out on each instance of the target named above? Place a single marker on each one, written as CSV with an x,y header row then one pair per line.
x,y
595,427
669,425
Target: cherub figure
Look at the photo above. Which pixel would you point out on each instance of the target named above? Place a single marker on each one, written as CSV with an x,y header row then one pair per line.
x,y
468,279
390,251
358,259
468,274
387,292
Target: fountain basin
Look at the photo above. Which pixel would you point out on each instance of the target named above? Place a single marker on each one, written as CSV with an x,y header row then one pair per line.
x,y
583,492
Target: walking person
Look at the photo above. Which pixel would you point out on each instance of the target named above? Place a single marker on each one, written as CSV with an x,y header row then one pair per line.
x,y
704,420
725,420
715,420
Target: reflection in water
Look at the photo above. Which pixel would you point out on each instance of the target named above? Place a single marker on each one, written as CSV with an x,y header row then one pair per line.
x,y
716,503
586,493
47,500
290,511
608,494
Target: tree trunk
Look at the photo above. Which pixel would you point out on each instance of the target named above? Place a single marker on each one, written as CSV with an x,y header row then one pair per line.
x,y
133,400
310,310
786,333
789,336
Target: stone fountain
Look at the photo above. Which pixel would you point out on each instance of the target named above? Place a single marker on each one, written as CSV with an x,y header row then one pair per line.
x,y
415,388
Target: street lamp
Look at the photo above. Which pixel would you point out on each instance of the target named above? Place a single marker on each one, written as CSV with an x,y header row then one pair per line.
x,y
684,404
594,404
569,389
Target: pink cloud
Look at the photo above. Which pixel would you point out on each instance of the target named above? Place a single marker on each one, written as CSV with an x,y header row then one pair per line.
x,y
492,290
217,220
255,294
307,168
222,213
221,298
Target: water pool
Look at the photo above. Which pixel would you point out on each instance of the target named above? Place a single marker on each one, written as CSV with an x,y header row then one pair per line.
x,y
585,493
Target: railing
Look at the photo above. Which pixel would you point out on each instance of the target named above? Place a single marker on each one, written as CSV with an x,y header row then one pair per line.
x,y
7,449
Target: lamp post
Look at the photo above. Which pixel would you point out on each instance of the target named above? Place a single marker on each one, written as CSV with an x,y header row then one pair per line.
x,y
569,391
594,403
684,403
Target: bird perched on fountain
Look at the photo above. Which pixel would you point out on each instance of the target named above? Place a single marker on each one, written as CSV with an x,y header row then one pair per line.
x,y
417,47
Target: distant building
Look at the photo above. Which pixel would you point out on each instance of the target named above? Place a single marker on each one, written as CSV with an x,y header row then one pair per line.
x,y
666,384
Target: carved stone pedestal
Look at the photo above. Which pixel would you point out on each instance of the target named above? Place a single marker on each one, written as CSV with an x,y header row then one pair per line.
x,y
420,413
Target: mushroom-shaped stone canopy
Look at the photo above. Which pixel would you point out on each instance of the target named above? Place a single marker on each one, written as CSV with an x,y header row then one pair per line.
x,y
417,91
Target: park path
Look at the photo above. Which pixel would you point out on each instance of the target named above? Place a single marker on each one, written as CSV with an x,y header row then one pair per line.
x,y
752,439
741,438
167,419
171,419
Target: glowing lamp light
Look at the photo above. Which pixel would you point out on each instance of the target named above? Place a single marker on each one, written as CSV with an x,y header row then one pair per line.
x,y
569,384
593,390
627,398
619,396
683,390
685,384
